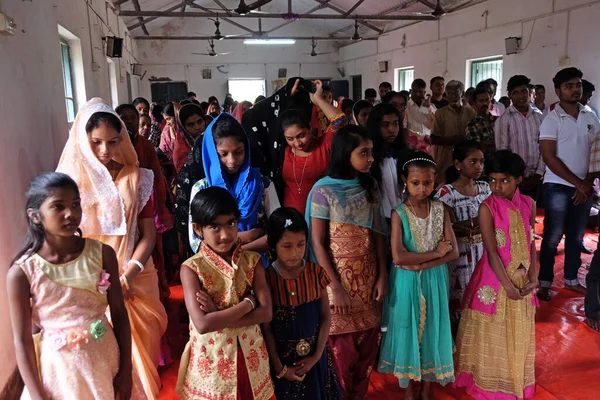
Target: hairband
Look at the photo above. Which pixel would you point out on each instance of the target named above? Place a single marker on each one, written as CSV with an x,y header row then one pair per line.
x,y
288,223
419,159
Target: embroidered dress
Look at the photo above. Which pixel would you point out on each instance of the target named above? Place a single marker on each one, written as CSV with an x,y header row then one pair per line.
x,y
215,365
295,326
496,337
77,352
111,210
470,249
353,221
417,343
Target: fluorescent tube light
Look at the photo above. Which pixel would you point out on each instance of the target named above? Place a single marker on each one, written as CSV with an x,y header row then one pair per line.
x,y
269,41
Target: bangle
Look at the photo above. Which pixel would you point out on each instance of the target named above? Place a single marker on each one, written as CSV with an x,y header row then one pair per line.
x,y
251,302
124,281
281,374
472,225
137,263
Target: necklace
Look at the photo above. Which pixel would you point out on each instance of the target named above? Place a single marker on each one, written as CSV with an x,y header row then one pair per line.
x,y
299,185
415,212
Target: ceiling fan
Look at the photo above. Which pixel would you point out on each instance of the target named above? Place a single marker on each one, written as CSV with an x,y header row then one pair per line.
x,y
241,9
218,35
356,37
438,11
313,51
211,52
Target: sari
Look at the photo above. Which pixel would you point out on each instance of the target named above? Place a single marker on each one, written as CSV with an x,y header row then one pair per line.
x,y
353,221
238,111
110,215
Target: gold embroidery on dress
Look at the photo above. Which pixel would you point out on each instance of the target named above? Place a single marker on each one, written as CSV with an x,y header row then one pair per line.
x,y
422,316
487,295
519,246
500,237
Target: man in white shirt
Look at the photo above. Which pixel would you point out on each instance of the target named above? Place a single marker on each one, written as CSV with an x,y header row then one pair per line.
x,y
419,111
566,137
540,99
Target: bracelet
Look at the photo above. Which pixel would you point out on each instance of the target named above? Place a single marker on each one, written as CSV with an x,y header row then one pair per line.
x,y
137,263
472,225
251,302
282,372
124,281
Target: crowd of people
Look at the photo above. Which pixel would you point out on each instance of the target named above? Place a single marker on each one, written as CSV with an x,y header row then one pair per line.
x,y
316,240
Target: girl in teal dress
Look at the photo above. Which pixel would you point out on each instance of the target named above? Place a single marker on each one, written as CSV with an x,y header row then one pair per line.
x,y
417,341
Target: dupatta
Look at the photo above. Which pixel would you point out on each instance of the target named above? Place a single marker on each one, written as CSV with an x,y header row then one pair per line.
x,y
344,201
246,186
108,206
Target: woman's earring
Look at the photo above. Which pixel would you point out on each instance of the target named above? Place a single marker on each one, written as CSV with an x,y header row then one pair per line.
x,y
404,189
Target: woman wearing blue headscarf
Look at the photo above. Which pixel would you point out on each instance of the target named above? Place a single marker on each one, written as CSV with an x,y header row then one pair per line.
x,y
226,163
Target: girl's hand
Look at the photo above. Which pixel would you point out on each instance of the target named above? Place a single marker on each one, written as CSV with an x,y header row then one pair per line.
x,y
295,87
292,375
123,384
416,267
206,303
304,365
250,235
381,288
341,300
529,287
319,90
513,293
443,248
128,294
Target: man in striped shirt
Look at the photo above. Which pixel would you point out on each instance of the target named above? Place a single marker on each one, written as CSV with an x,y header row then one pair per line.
x,y
518,130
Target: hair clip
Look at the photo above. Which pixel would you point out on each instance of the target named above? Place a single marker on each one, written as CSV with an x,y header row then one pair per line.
x,y
288,223
418,159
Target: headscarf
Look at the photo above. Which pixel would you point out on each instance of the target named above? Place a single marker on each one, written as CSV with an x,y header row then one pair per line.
x,y
358,106
349,197
184,141
261,123
101,200
239,110
246,187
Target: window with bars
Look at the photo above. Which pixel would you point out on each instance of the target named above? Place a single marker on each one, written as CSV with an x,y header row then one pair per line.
x,y
403,78
487,68
68,80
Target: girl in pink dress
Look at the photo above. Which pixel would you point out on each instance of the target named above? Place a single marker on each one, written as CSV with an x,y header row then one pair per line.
x,y
63,284
496,335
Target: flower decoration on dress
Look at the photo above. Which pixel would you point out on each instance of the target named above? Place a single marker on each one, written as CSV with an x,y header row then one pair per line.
x,y
103,283
98,330
500,237
58,339
77,337
288,223
487,295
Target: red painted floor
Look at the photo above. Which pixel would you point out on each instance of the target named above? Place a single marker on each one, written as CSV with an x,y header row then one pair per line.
x,y
567,355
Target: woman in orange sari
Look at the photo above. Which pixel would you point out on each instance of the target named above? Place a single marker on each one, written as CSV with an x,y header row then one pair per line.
x,y
118,211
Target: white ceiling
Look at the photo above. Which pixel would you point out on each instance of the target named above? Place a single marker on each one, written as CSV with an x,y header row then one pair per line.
x,y
311,26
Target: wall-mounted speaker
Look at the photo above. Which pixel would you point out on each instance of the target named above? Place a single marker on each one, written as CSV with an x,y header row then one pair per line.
x,y
282,73
207,73
114,47
512,44
383,66
136,69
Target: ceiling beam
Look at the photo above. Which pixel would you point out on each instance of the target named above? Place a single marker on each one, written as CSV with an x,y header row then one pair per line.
x,y
354,7
389,10
136,5
428,4
243,27
145,21
321,38
194,14
343,12
312,10
119,2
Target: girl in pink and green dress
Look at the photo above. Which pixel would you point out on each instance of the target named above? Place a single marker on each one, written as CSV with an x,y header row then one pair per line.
x,y
496,335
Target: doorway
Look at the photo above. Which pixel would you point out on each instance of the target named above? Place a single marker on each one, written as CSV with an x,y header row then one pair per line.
x,y
356,87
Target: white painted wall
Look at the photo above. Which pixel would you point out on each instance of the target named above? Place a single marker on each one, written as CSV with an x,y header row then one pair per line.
x,y
551,29
173,59
32,109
